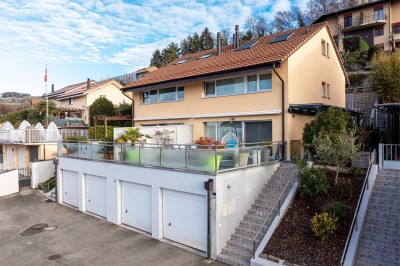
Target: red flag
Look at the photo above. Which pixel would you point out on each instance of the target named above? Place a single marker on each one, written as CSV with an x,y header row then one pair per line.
x,y
45,74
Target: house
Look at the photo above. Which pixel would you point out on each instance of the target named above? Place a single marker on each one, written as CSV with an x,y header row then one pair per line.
x,y
74,100
246,88
377,22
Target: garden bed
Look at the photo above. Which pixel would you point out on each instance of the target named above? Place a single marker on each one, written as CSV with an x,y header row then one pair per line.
x,y
294,241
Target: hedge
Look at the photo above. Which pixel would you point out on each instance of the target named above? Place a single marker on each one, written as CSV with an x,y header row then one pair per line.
x,y
355,43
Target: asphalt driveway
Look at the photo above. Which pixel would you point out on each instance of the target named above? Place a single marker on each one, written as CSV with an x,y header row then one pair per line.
x,y
79,239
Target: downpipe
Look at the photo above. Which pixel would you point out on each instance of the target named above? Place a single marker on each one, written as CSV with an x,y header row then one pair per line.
x,y
209,186
283,148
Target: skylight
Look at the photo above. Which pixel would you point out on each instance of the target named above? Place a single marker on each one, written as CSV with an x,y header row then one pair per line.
x,y
182,61
281,38
205,56
246,46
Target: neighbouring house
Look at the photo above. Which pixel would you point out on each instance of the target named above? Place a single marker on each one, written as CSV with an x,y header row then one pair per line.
x,y
377,22
246,88
74,100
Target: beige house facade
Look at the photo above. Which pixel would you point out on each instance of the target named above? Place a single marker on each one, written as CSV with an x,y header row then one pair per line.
x,y
377,22
76,99
251,99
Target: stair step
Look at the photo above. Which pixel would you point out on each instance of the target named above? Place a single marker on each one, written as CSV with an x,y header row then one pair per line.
x,y
380,246
262,213
250,232
262,207
385,257
232,261
251,225
386,189
385,195
383,201
381,229
391,182
265,201
383,207
376,220
380,237
245,239
381,214
370,261
240,245
235,252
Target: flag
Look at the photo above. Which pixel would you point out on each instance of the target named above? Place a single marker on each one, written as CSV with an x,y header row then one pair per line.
x,y
45,74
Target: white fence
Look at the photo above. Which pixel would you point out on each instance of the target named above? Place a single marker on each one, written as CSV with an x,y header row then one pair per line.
x,y
389,156
9,183
41,172
38,135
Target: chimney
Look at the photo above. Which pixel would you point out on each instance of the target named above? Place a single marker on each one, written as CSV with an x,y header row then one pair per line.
x,y
236,39
306,30
52,88
219,48
88,83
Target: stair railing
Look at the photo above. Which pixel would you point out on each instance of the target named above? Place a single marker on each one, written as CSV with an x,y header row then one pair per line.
x,y
276,204
354,223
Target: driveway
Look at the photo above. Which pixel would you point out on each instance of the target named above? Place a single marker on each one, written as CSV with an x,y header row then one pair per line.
x,y
79,239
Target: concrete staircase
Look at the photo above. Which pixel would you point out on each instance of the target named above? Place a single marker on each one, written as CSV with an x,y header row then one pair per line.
x,y
239,248
379,243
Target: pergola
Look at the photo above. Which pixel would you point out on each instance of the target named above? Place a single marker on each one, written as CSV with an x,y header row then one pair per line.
x,y
106,118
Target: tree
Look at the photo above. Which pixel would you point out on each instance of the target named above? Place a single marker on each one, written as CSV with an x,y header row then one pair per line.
x,y
101,106
336,150
386,76
316,8
206,40
40,109
194,44
257,27
156,59
299,17
285,20
226,37
170,53
185,45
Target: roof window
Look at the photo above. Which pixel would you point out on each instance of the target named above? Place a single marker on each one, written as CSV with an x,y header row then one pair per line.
x,y
246,46
182,61
281,38
205,56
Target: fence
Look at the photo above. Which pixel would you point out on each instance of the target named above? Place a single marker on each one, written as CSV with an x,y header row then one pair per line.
x,y
38,135
389,156
24,172
206,158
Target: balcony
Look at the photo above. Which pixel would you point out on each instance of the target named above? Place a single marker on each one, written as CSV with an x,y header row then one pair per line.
x,y
361,22
192,158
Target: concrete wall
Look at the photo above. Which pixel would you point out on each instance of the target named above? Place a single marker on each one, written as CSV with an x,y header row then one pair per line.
x,y
9,183
236,192
41,172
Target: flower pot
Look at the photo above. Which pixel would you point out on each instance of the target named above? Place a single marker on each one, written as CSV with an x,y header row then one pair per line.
x,y
265,155
243,159
209,163
132,155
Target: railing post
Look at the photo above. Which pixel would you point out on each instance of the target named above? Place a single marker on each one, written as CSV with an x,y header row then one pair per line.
x,y
380,160
161,149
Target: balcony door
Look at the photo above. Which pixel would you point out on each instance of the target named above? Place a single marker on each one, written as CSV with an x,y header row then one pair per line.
x,y
258,131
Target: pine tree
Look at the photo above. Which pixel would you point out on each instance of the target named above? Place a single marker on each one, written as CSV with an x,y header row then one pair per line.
x,y
194,43
185,45
206,40
156,59
170,53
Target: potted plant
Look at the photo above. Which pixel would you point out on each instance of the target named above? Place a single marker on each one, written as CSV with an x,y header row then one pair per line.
x,y
72,143
209,160
108,151
170,156
133,136
266,150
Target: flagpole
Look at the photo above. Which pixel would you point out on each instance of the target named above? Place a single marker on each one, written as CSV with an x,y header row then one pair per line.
x,y
47,102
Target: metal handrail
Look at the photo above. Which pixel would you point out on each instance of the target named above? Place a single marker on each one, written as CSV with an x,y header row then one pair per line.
x,y
269,214
354,223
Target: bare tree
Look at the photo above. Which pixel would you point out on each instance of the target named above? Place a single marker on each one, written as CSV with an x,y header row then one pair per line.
x,y
285,20
316,8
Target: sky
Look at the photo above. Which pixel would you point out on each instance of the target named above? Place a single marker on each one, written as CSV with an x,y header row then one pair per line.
x,y
98,39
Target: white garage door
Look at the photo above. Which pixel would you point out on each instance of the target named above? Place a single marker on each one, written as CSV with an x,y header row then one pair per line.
x,y
96,195
185,218
70,187
136,205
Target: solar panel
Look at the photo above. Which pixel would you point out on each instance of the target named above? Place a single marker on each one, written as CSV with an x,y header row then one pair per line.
x,y
205,56
182,61
281,38
246,46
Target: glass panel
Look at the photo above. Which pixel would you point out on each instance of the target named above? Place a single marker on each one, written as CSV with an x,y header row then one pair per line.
x,y
173,157
226,127
146,97
210,130
167,94
181,93
150,156
210,88
230,86
153,96
258,131
266,81
378,14
252,83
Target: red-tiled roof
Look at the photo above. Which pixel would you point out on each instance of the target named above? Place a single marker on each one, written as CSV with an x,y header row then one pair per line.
x,y
229,60
84,90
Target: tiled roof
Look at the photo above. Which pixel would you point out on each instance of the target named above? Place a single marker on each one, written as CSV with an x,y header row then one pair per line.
x,y
84,90
230,60
67,89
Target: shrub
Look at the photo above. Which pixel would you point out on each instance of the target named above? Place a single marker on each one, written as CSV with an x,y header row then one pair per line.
x,y
100,133
356,171
354,43
373,50
323,224
338,209
357,79
76,138
313,182
386,76
208,143
101,106
351,61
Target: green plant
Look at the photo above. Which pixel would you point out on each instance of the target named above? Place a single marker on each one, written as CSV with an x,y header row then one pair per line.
x,y
323,224
357,79
386,76
100,133
313,182
355,43
356,171
208,143
373,50
134,136
164,136
101,106
337,209
77,138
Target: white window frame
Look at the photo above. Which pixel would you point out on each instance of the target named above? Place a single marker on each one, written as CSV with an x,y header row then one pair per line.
x,y
70,101
323,87
245,84
158,94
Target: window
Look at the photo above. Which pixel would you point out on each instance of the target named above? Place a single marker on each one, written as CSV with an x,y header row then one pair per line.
x,y
336,39
281,38
328,91
397,44
163,95
205,56
239,85
378,13
70,101
396,29
378,31
327,50
246,46
348,20
323,87
323,47
182,61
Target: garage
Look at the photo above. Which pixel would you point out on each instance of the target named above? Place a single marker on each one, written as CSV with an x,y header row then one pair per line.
x,y
185,218
96,195
70,188
136,205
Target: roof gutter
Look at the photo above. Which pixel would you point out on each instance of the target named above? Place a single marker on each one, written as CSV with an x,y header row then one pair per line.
x,y
283,112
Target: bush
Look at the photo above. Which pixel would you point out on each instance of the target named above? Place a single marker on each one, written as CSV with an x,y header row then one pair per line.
x,y
356,171
100,133
76,138
338,209
313,182
354,43
351,60
357,79
323,224
373,50
101,106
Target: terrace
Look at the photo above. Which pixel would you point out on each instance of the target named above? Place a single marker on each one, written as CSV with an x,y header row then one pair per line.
x,y
357,23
